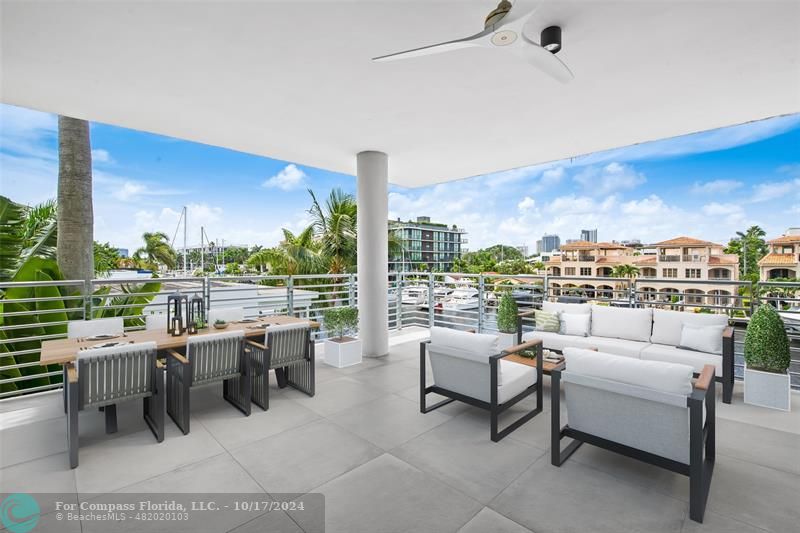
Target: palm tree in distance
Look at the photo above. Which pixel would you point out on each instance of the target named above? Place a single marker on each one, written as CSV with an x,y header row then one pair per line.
x,y
625,271
157,250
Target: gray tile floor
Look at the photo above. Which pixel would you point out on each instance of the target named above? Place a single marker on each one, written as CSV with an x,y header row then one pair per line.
x,y
384,467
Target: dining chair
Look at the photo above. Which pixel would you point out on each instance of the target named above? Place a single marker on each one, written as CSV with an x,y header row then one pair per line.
x,y
289,350
228,314
77,329
209,359
103,377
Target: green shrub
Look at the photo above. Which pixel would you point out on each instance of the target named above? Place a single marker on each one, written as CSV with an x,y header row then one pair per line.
x,y
340,321
507,314
766,345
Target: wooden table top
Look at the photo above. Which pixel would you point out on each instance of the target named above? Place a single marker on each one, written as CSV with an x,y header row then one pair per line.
x,y
60,351
546,368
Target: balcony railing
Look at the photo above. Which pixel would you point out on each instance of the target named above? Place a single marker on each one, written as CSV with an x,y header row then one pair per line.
x,y
42,310
587,258
685,258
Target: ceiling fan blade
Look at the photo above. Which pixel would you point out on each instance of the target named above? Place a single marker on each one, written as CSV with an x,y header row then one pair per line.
x,y
543,60
519,14
448,46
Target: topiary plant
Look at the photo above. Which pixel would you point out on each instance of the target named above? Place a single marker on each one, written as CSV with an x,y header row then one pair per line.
x,y
341,320
766,345
507,314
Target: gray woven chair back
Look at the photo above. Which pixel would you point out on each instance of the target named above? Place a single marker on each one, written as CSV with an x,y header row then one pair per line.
x,y
108,375
216,356
288,345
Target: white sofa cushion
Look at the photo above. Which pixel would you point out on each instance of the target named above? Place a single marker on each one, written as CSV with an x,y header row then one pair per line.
x,y
556,341
554,307
622,323
668,325
474,346
574,324
621,347
702,338
671,378
516,378
673,354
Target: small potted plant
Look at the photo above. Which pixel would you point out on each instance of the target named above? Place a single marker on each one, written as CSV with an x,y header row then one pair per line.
x,y
767,358
220,324
507,321
341,349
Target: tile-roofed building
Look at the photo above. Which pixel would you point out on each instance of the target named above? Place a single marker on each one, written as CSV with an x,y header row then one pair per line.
x,y
783,259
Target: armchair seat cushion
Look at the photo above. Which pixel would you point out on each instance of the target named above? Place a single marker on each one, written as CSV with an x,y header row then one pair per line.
x,y
516,378
673,354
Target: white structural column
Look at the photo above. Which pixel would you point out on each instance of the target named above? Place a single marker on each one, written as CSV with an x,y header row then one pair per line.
x,y
373,252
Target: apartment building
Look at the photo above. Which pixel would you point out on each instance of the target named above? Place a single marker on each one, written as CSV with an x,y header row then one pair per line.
x,y
426,245
689,268
783,259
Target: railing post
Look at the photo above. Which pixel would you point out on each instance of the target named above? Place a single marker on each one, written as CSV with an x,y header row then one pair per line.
x,y
545,287
290,295
480,303
399,300
351,291
88,302
632,292
431,301
207,293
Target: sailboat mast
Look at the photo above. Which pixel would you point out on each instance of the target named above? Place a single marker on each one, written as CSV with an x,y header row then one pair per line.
x,y
185,251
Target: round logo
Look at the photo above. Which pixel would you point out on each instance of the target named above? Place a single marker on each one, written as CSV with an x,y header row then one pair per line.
x,y
19,513
504,38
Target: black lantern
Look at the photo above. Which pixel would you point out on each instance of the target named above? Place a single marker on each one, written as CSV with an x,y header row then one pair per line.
x,y
197,313
175,313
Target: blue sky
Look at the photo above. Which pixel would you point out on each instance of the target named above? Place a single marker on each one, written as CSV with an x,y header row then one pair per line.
x,y
706,185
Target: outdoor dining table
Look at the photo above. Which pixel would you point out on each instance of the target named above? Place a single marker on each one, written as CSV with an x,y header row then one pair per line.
x,y
65,351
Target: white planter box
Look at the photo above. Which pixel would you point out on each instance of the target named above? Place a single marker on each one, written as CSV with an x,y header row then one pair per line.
x,y
767,389
340,354
506,340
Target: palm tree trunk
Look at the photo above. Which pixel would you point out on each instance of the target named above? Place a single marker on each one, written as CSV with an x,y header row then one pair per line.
x,y
75,213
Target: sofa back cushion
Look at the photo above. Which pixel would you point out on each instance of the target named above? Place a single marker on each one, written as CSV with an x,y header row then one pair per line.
x,y
622,323
673,378
668,325
575,309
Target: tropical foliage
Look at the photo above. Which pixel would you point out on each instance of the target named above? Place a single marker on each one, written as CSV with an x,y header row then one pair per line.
x,y
625,271
498,258
25,232
106,258
766,345
750,245
156,251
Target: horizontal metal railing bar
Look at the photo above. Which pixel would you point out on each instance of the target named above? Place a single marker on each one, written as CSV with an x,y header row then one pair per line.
x,y
31,390
29,351
19,365
54,283
43,299
37,312
27,378
32,338
34,325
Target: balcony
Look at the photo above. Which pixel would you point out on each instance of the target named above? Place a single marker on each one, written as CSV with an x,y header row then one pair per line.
x,y
362,443
585,258
685,258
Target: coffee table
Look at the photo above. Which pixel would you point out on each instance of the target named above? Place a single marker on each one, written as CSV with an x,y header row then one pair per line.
x,y
546,368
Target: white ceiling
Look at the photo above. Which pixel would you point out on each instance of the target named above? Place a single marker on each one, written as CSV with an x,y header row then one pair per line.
x,y
293,80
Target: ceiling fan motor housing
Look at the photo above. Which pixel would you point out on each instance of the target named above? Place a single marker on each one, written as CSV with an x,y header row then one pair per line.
x,y
551,39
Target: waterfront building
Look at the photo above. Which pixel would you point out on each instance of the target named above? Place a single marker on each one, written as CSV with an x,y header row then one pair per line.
x,y
426,245
783,259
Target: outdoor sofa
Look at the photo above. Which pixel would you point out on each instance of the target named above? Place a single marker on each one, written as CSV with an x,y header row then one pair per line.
x,y
646,334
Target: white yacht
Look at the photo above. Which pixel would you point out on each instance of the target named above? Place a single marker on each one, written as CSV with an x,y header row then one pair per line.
x,y
415,295
462,299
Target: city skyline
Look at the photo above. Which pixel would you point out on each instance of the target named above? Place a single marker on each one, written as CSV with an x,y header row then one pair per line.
x,y
707,185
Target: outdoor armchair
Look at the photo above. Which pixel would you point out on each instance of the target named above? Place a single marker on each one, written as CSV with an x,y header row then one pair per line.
x,y
289,350
647,410
209,359
469,368
104,377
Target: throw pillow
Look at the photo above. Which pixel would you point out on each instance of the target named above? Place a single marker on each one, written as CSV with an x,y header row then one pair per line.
x,y
547,321
702,338
574,324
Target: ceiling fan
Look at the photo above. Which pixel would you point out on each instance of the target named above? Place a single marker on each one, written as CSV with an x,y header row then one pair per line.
x,y
503,30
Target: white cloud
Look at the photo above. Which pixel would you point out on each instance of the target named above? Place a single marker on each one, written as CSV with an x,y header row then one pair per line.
x,y
526,204
717,209
287,179
795,209
764,192
101,156
715,187
650,206
612,177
